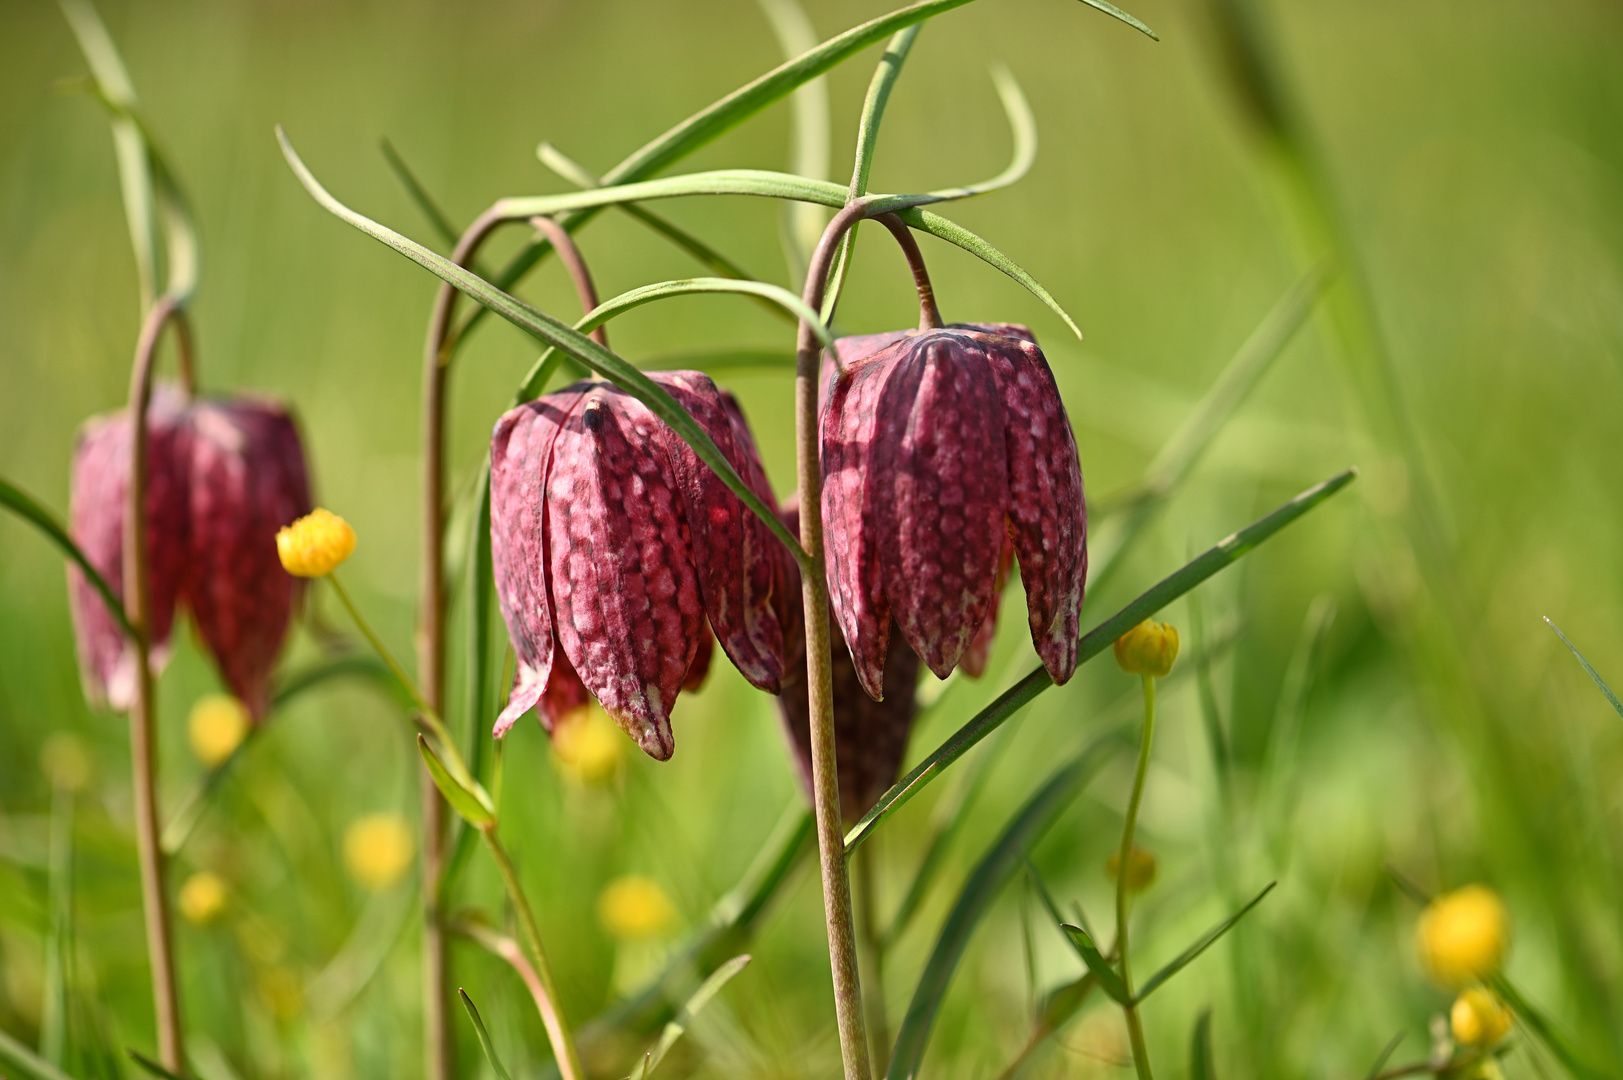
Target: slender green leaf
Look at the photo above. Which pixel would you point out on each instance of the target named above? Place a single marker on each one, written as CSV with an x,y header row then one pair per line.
x,y
484,1036
53,1021
1593,674
565,338
1109,981
1225,553
28,508
1386,1055
1046,896
663,290
701,997
721,359
449,234
1536,1022
1001,862
802,224
1185,958
153,1068
1116,12
467,799
1201,1065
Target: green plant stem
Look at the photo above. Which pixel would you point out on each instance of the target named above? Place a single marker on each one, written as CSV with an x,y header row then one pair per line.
x,y
1135,1029
874,943
143,713
563,1044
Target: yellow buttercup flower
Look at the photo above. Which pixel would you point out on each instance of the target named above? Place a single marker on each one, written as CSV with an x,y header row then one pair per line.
x,y
314,545
634,907
216,727
1140,868
1462,936
378,850
1148,649
202,898
589,744
1479,1018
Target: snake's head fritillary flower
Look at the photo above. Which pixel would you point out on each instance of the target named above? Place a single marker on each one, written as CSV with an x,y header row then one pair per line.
x,y
870,737
247,480
613,546
315,544
100,481
1462,935
937,447
1150,648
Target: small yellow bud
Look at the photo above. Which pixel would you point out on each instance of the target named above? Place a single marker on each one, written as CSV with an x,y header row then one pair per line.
x,y
1462,935
1479,1018
1148,649
589,744
314,545
202,898
634,907
378,850
65,760
216,727
1140,868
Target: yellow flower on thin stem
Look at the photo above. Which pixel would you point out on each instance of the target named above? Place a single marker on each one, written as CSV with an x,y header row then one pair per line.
x,y
1150,648
216,727
1462,936
314,545
1479,1018
634,907
202,898
378,850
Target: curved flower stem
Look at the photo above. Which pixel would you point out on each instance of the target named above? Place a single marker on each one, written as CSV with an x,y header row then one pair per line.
x,y
563,1044
929,313
1135,1029
143,714
575,263
507,949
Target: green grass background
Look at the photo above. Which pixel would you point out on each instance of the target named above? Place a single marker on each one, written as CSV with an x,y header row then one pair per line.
x,y
1474,153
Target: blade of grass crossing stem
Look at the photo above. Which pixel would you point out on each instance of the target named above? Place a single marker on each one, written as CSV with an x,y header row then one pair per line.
x,y
1593,674
684,1017
1201,1066
152,1068
565,338
802,224
1109,981
484,1036
1225,553
1000,863
721,116
765,183
873,112
664,290
1540,1026
1185,958
449,234
1386,1053
25,506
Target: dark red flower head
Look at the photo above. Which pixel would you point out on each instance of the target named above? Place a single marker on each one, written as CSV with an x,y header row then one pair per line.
x,y
613,542
222,477
938,448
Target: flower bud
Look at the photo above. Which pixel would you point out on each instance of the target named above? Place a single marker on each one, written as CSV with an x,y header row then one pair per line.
x,y
378,850
1463,935
633,907
315,545
1148,649
203,898
1140,868
216,727
1479,1018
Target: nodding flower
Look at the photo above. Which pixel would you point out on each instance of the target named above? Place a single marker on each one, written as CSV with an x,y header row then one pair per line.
x,y
316,544
1463,935
614,546
1150,648
943,451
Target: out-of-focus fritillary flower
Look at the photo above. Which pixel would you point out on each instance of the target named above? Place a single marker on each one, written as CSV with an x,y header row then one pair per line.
x,y
1463,935
216,727
203,898
635,907
939,448
378,850
315,545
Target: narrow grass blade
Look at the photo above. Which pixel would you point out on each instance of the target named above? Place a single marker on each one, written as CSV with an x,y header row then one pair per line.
x,y
1539,1025
32,511
1185,958
1046,895
1279,774
1109,981
1117,13
701,997
152,1068
664,290
565,338
449,234
466,796
1001,862
53,1020
1225,553
1201,1066
1386,1053
484,1036
721,359
1593,674
802,224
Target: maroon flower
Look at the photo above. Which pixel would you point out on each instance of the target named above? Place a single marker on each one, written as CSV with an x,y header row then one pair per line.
x,y
100,479
937,447
613,543
246,480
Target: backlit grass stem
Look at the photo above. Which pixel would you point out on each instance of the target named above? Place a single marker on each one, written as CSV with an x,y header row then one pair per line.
x,y
1135,1029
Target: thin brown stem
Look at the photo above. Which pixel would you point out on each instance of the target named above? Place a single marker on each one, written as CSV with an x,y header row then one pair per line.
x,y
929,313
569,252
185,361
143,714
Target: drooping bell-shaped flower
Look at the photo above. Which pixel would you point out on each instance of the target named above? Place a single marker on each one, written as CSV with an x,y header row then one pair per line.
x,y
246,481
96,516
613,545
937,447
870,737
